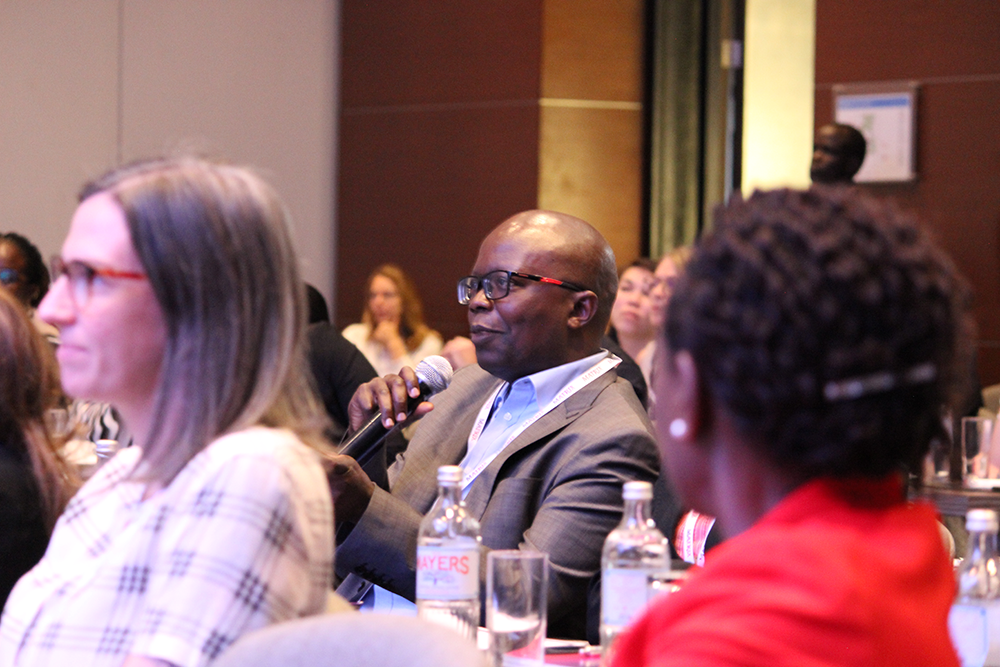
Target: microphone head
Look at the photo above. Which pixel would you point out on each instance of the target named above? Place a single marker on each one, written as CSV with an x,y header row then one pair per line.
x,y
435,372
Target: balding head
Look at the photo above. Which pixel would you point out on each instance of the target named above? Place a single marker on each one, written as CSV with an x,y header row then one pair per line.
x,y
838,153
539,325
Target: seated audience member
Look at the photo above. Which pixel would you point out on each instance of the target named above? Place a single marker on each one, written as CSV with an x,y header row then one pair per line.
x,y
546,431
35,481
631,322
23,274
21,262
392,333
318,311
809,349
339,369
668,271
178,300
838,152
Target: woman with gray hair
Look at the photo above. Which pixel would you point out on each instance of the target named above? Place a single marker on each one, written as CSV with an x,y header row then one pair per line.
x,y
178,301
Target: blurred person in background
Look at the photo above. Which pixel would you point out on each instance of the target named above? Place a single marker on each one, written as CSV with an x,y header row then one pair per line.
x,y
35,481
631,324
810,348
665,277
392,332
23,273
178,300
838,153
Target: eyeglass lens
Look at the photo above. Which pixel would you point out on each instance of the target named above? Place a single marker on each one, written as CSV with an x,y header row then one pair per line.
x,y
495,285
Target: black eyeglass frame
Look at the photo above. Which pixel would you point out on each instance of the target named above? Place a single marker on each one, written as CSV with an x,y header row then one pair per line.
x,y
470,285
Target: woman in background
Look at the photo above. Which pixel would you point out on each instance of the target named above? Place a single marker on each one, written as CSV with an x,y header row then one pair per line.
x,y
810,347
35,481
23,273
668,271
631,326
392,332
178,300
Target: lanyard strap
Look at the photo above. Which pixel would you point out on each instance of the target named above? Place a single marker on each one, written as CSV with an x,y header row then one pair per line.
x,y
578,383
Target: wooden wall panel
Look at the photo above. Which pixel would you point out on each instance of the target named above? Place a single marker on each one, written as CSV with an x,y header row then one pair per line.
x,y
591,167
591,155
439,140
440,136
422,189
952,48
592,49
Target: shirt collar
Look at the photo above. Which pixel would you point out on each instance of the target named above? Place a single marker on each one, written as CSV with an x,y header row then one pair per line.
x,y
549,382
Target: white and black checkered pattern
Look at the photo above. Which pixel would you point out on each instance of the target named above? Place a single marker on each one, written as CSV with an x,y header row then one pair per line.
x,y
241,538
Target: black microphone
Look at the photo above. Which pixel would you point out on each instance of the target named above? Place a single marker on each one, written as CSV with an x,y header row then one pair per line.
x,y
434,374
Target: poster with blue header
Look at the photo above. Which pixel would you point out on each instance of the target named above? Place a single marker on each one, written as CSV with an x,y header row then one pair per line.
x,y
885,113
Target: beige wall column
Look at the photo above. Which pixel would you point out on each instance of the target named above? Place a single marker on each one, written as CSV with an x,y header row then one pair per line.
x,y
591,118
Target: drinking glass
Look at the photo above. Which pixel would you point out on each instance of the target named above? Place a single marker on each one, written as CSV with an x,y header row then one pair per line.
x,y
516,592
664,582
978,438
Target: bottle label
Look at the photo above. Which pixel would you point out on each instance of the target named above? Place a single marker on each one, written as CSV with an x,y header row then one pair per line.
x,y
624,592
448,573
971,627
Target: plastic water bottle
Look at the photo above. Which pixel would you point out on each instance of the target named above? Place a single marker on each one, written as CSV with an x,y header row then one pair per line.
x,y
974,621
632,552
448,546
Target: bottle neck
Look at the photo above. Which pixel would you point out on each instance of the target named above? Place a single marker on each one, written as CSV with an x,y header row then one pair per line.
x,y
637,514
982,545
450,493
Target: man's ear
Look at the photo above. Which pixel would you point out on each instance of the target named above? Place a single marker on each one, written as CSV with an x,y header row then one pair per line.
x,y
584,309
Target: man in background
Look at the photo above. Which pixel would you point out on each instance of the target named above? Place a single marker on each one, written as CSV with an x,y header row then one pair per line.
x,y
838,153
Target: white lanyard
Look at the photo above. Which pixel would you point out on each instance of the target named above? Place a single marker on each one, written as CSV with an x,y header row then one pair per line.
x,y
578,383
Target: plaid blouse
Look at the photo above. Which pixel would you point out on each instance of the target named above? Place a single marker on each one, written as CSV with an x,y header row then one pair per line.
x,y
242,537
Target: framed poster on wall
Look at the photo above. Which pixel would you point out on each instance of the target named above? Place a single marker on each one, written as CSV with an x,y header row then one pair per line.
x,y
886,113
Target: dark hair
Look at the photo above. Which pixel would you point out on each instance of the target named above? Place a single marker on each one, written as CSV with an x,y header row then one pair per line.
x,y
29,388
36,274
828,326
643,263
214,242
854,144
318,312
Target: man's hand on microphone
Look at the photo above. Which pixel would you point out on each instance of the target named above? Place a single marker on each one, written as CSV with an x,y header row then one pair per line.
x,y
350,488
388,395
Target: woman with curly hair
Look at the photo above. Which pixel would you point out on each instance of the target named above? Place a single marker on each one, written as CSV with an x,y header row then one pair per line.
x,y
810,348
35,481
392,332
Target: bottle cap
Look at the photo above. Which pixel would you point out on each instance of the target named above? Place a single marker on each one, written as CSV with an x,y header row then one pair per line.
x,y
106,447
449,474
981,520
637,491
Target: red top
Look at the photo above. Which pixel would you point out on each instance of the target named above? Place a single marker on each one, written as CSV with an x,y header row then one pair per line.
x,y
839,573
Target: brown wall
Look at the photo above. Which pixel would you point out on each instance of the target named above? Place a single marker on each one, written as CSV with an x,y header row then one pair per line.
x,y
952,48
438,140
456,115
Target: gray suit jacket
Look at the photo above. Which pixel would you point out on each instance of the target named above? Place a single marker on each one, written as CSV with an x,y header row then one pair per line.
x,y
556,488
